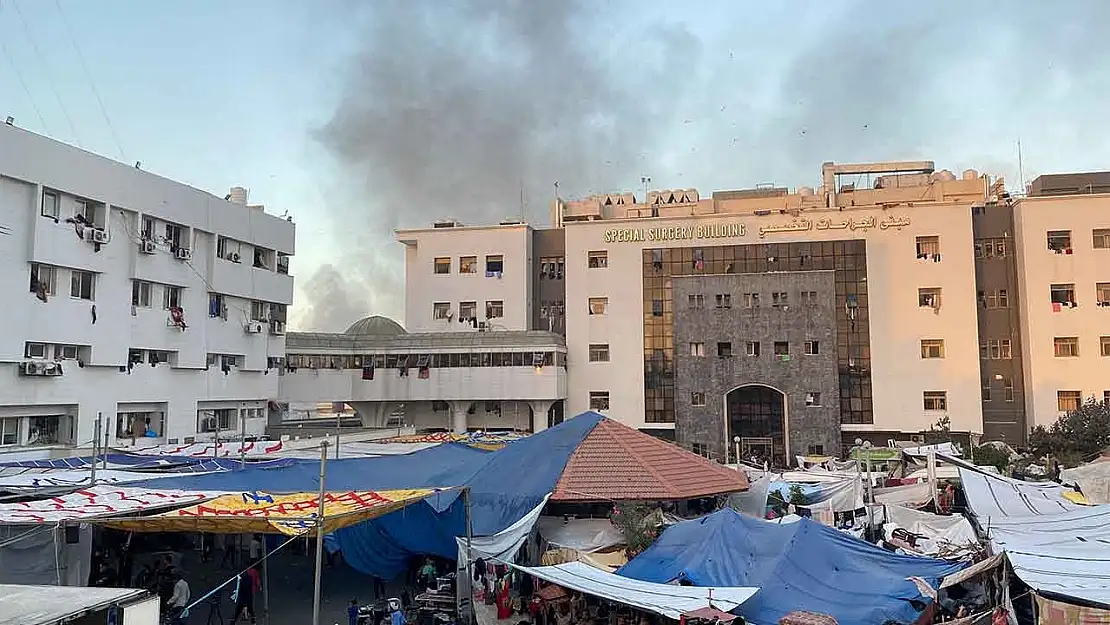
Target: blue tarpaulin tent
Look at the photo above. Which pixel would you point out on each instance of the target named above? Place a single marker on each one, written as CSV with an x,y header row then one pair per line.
x,y
504,486
797,566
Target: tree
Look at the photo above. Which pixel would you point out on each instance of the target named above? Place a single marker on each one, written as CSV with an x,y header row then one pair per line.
x,y
992,456
1079,433
639,523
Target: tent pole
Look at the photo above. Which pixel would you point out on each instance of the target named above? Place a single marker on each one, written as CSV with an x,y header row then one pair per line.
x,y
469,555
266,582
319,535
96,446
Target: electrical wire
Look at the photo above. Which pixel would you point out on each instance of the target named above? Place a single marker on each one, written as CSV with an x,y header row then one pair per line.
x,y
42,64
23,83
92,83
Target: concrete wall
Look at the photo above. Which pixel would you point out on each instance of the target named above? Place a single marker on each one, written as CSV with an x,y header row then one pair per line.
x,y
795,376
549,292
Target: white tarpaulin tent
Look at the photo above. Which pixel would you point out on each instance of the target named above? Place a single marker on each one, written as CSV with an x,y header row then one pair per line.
x,y
996,496
666,600
586,535
940,531
47,605
1093,478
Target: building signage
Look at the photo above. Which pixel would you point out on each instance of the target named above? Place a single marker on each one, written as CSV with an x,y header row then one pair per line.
x,y
863,225
675,233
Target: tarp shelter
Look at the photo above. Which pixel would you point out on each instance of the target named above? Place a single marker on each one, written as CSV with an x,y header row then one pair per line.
x,y
995,496
797,566
1093,478
663,599
48,605
134,462
98,502
262,513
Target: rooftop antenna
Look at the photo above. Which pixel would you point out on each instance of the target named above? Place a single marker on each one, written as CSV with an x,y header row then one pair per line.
x,y
1021,170
521,179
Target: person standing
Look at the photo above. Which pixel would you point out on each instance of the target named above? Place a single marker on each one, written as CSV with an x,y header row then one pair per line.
x,y
249,583
179,600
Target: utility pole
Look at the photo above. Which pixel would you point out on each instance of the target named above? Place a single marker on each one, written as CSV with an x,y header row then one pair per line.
x,y
96,446
242,437
319,535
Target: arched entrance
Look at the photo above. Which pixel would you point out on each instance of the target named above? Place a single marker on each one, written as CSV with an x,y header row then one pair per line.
x,y
757,414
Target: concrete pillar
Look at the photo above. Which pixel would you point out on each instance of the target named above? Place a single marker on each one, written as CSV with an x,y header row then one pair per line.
x,y
540,408
458,415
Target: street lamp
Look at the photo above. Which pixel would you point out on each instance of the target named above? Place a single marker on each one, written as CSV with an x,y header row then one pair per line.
x,y
736,449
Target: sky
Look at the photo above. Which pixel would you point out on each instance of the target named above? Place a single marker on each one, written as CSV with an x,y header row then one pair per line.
x,y
359,117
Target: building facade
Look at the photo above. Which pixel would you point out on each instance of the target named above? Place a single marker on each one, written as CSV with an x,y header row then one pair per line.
x,y
153,306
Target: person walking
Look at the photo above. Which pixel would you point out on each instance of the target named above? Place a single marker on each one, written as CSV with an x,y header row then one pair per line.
x,y
179,600
249,583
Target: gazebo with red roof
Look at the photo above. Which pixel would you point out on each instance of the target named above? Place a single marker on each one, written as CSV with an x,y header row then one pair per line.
x,y
617,463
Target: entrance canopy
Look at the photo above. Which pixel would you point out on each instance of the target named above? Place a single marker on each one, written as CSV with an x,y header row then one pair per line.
x,y
667,600
262,513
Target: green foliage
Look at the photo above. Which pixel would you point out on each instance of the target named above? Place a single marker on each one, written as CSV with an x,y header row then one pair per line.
x,y
796,496
992,456
639,523
1077,434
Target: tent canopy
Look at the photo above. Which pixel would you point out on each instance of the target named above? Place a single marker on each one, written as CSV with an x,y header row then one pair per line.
x,y
797,566
262,513
663,599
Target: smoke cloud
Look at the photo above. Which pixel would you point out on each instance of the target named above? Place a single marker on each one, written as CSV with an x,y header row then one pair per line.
x,y
461,109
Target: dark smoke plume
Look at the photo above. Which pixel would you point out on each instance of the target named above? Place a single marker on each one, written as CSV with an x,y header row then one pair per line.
x,y
460,108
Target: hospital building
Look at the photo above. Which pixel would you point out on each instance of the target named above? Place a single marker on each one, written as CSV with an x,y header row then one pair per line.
x,y
889,300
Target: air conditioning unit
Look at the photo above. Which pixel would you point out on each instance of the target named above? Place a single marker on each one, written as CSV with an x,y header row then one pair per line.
x,y
97,235
254,327
277,328
146,246
183,253
43,368
233,257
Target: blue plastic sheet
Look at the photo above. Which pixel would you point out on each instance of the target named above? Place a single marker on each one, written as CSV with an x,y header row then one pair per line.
x,y
797,566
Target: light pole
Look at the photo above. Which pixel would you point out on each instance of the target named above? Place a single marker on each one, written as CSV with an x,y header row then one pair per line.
x,y
736,450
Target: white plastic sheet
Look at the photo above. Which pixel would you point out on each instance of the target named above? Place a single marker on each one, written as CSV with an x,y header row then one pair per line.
x,y
940,530
753,502
910,495
97,502
991,496
586,535
667,600
1092,478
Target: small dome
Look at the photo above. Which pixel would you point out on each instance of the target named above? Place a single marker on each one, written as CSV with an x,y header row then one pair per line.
x,y
375,325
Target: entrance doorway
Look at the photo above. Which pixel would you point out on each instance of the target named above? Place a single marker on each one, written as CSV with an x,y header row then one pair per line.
x,y
757,414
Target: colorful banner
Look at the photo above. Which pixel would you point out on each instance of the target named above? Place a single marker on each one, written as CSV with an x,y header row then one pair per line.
x,y
1051,612
490,441
232,449
258,512
97,502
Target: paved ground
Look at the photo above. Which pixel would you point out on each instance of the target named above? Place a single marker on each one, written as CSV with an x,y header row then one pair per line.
x,y
290,590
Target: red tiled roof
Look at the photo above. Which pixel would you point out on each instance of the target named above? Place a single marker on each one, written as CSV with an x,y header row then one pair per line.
x,y
617,463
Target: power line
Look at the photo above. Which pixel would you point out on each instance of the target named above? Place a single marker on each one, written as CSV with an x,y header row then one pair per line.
x,y
23,83
42,63
92,83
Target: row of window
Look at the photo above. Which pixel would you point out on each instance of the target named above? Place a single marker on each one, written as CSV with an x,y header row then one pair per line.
x,y
48,351
495,309
1063,295
495,264
399,361
599,352
779,299
44,282
1070,401
1068,346
1060,241
232,250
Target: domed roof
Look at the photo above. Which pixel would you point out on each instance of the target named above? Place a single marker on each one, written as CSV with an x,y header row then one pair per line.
x,y
375,325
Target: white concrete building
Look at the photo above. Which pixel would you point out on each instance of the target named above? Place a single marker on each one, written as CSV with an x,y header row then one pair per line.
x,y
158,306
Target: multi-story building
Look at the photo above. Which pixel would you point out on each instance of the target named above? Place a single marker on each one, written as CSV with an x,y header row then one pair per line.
x,y
152,307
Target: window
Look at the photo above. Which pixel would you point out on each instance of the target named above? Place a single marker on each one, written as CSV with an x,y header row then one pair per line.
x,y
1102,293
468,264
597,260
697,398
928,297
1104,346
34,350
262,258
551,268
43,279
815,450
228,249
51,206
812,348
813,399
1101,239
1066,346
81,284
147,231
1068,401
283,263
994,299
995,349
695,302
495,265
9,431
751,300
1008,385
1003,298
779,299
599,352
697,350
140,293
173,235
656,307
66,352
1059,241
986,390
1106,398
599,400
440,310
724,300
468,310
752,348
495,309
928,247
698,262
171,298
990,248
599,305
724,349
217,307
808,298
935,401
781,348
932,348
441,265
1063,294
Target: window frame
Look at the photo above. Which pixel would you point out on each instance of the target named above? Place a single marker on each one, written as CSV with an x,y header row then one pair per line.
x,y
599,401
77,290
929,347
599,352
495,309
139,288
597,303
597,259
441,266
939,400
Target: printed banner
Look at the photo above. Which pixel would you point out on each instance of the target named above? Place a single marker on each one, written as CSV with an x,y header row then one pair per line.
x,y
97,502
213,450
1051,612
257,512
